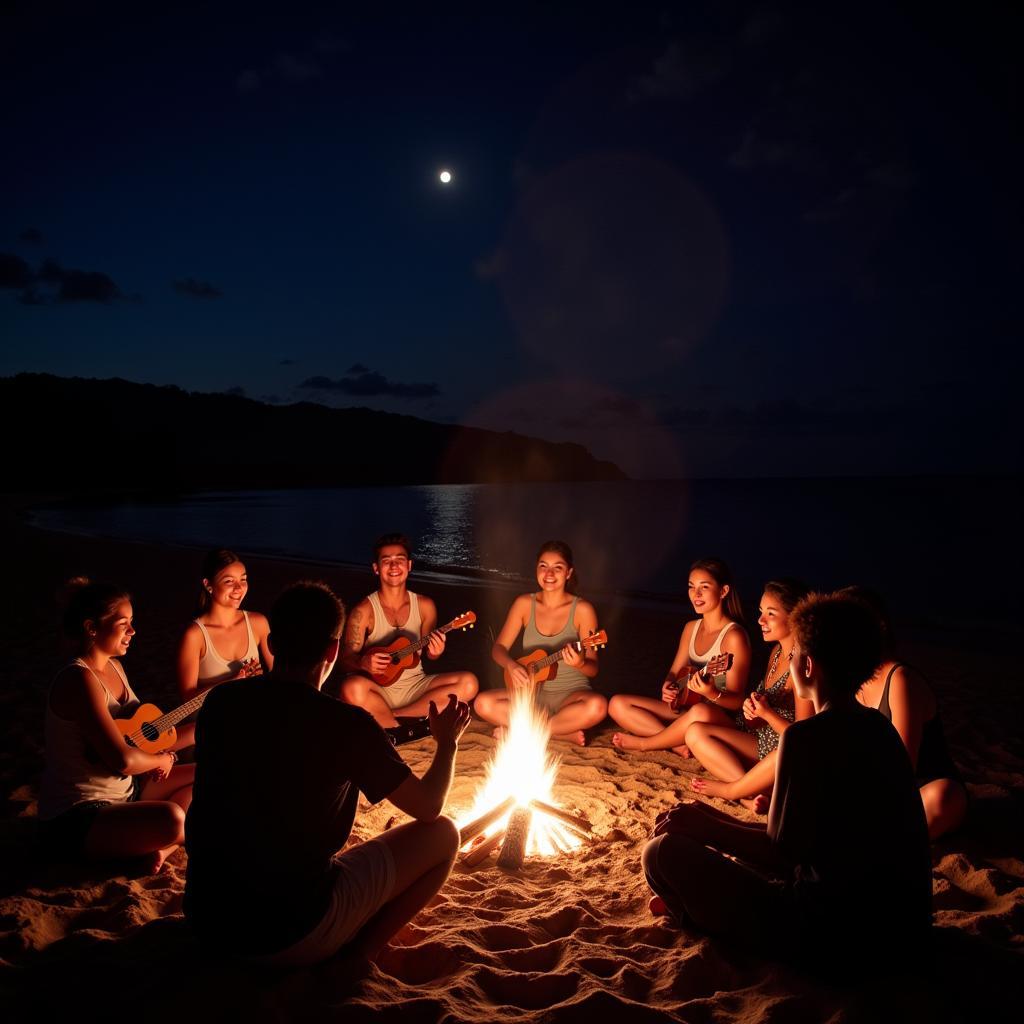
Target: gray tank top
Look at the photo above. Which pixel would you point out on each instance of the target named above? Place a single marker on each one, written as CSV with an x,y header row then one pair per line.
x,y
533,639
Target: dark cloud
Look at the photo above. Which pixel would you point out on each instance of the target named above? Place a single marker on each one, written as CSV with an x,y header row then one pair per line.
x,y
364,383
78,285
31,235
196,289
14,272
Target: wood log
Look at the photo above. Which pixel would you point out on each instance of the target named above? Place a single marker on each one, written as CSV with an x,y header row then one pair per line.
x,y
482,850
574,821
481,824
513,849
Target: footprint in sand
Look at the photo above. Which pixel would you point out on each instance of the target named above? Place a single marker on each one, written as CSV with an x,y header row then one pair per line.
x,y
500,937
422,964
535,991
564,922
547,957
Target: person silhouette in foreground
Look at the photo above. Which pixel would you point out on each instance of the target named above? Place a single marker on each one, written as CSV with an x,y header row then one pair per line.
x,y
279,770
844,858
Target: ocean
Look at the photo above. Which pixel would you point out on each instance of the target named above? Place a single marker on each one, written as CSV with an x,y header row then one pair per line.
x,y
941,551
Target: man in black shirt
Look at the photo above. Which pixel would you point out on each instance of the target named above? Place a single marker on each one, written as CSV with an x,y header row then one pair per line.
x,y
279,769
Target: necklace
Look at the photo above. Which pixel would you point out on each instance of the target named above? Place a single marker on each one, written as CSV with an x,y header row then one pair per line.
x,y
773,665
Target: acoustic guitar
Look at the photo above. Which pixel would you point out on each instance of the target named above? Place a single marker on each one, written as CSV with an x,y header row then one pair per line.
x,y
405,655
152,731
544,667
685,697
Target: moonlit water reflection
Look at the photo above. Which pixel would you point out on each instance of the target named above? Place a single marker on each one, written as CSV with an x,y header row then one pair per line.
x,y
448,537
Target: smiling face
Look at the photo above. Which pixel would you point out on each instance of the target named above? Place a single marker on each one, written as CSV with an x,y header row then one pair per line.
x,y
553,572
773,618
229,587
114,632
705,592
393,565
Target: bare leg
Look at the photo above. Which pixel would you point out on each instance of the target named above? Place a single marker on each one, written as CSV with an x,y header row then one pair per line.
x,y
360,691
580,710
462,684
753,789
145,827
724,750
945,805
493,706
673,736
424,852
641,716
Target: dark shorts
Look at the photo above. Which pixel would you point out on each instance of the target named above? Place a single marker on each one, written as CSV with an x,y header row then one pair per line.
x,y
65,835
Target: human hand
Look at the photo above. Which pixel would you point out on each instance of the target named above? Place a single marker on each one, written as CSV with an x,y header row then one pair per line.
x,y
675,819
572,657
375,664
700,685
522,678
435,645
448,724
251,667
754,706
163,769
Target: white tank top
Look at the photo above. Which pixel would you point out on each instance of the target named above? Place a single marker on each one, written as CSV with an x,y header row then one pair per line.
x,y
73,773
383,633
700,660
215,669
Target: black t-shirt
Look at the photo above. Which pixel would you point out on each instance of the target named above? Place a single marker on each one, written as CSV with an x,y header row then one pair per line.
x,y
279,769
847,814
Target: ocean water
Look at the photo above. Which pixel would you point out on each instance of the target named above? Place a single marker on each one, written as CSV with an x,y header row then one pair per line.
x,y
940,550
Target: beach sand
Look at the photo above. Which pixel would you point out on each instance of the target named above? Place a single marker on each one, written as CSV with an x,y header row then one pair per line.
x,y
566,939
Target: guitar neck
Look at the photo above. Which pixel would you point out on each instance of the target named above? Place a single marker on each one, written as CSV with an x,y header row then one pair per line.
x,y
418,645
552,658
164,722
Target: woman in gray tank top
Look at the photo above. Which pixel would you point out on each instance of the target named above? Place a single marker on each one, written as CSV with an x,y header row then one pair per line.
x,y
553,619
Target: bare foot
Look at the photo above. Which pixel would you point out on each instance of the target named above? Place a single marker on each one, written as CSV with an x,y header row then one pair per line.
x,y
627,741
578,737
153,863
499,733
758,804
710,787
683,751
658,907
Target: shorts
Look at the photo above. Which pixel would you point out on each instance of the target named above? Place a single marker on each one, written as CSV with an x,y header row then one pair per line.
x,y
402,693
551,696
65,835
364,882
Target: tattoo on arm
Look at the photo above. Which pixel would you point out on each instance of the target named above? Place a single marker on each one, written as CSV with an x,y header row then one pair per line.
x,y
355,631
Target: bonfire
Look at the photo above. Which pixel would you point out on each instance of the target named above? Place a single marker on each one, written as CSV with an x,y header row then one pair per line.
x,y
515,807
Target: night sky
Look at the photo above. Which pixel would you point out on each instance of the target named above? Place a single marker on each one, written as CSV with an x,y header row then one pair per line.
x,y
702,239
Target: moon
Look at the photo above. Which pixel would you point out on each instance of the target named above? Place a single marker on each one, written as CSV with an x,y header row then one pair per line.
x,y
445,177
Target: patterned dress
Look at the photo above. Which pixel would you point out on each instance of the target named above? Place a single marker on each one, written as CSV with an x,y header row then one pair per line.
x,y
782,702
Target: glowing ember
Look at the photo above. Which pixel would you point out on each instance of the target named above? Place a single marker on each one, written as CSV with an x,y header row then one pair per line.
x,y
523,768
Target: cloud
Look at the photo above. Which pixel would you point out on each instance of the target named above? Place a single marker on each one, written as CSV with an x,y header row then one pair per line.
x,y
78,285
31,235
14,272
196,289
364,383
683,70
305,65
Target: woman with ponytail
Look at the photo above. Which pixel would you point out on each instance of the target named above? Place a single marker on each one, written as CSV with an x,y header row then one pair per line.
x,y
657,724
100,797
223,642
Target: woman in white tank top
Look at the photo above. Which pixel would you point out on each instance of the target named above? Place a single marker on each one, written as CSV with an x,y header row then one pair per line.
x,y
223,642
651,723
90,803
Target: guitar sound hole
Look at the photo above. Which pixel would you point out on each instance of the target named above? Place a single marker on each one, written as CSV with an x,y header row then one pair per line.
x,y
149,732
395,659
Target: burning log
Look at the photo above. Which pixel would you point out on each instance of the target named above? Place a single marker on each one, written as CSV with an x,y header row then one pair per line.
x,y
513,849
481,824
575,822
481,850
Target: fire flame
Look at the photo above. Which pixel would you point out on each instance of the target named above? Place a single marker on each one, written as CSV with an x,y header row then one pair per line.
x,y
523,768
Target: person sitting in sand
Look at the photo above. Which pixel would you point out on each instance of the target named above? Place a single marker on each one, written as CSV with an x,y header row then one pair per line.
x,y
223,642
101,798
653,724
394,612
555,618
903,696
743,758
846,832
282,897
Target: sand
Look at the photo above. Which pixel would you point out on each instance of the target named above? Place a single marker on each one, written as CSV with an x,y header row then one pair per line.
x,y
567,939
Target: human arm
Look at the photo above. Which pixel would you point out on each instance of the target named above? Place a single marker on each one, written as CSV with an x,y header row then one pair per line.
x,y
189,652
358,627
514,622
744,839
731,698
586,623
261,630
79,696
679,670
424,798
905,706
428,627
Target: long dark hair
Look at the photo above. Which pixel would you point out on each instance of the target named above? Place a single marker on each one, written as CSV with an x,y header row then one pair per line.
x,y
215,560
85,601
720,572
560,548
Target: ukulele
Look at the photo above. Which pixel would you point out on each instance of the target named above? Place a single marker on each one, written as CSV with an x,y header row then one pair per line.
x,y
543,666
152,731
406,655
685,697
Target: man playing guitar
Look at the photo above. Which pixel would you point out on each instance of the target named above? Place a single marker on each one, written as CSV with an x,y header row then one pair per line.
x,y
393,613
